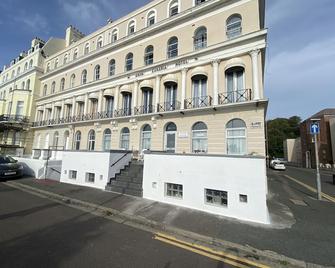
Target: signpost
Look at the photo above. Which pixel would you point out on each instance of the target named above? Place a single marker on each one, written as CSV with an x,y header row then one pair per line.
x,y
315,130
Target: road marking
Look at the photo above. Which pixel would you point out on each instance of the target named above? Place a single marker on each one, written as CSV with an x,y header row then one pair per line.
x,y
208,252
328,197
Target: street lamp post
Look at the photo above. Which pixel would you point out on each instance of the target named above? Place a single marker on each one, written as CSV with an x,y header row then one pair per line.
x,y
315,129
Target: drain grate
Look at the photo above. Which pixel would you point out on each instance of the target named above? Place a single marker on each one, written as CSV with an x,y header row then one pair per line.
x,y
298,202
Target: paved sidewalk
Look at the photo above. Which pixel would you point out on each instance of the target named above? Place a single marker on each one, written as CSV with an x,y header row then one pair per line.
x,y
308,236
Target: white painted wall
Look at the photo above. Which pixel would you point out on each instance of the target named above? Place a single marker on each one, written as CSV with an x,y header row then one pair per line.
x,y
236,175
32,167
99,163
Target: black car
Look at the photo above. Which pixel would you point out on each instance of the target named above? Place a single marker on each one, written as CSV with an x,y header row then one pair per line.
x,y
9,167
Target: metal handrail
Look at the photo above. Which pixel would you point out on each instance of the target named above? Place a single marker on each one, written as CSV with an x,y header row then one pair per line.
x,y
198,102
168,106
144,109
235,96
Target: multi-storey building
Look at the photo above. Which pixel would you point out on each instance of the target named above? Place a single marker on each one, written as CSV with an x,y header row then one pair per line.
x,y
182,76
19,86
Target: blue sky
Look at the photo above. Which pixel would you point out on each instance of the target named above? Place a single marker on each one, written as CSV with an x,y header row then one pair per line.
x,y
300,63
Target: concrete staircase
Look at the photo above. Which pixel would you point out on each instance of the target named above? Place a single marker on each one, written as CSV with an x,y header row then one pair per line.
x,y
129,180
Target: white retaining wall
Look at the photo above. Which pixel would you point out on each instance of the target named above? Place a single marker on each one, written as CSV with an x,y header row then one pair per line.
x,y
32,167
99,163
236,175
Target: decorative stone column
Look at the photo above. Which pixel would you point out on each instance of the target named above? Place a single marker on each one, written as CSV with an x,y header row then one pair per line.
x,y
86,104
116,98
52,111
157,92
183,87
100,100
135,94
73,112
255,73
216,64
44,117
62,109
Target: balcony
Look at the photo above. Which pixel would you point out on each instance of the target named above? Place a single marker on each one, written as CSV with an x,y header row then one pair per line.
x,y
242,95
168,106
122,112
12,118
145,109
198,102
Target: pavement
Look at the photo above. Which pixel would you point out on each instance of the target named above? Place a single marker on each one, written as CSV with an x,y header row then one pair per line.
x,y
302,229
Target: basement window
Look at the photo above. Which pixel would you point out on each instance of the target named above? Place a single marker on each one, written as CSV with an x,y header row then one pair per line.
x,y
90,177
243,198
174,190
216,197
73,174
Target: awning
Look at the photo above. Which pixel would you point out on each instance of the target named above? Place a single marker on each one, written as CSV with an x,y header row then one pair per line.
x,y
199,71
109,92
93,95
126,88
146,83
235,62
170,78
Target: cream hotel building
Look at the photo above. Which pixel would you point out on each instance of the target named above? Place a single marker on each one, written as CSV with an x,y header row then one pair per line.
x,y
182,76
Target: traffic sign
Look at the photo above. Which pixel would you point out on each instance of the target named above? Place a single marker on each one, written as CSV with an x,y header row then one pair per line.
x,y
315,128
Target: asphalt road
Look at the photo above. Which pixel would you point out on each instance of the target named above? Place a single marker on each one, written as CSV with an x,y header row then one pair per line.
x,y
36,232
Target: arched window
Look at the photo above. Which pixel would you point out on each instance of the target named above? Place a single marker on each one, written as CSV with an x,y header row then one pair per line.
x,y
171,103
147,96
99,42
149,55
13,74
97,72
234,26
151,18
48,67
53,87
62,84
236,137
199,138
107,139
66,140
72,80
172,47
146,137
77,141
173,8
56,63
87,49
28,84
56,139
170,137
18,71
199,85
114,36
200,38
23,84
75,54
83,77
112,67
129,62
124,139
65,59
91,140
235,85
31,64
45,90
198,2
131,27
26,66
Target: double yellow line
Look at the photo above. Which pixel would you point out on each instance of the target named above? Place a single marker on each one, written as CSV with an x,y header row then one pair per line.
x,y
326,196
208,252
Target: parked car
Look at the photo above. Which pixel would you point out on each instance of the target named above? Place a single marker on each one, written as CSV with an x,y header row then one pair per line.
x,y
9,167
277,165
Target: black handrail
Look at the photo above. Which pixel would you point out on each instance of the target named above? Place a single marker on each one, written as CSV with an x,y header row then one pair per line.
x,y
120,159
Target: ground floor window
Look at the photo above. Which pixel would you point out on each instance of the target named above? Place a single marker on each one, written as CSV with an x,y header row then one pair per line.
x,y
199,138
73,174
90,177
174,190
216,197
107,139
236,137
124,139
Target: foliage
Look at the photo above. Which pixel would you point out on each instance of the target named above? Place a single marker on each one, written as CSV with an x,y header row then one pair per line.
x,y
280,129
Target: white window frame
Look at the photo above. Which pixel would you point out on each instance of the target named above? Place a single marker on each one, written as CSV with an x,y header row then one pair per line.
x,y
216,203
151,13
130,24
72,80
115,32
194,138
170,5
83,75
71,173
100,42
91,141
105,135
245,136
87,177
97,70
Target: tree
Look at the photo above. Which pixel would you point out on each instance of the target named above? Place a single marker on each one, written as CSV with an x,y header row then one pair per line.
x,y
280,129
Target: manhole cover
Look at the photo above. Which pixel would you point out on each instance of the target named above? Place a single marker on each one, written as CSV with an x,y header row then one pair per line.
x,y
298,202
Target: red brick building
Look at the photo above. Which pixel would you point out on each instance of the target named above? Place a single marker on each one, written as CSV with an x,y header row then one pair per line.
x,y
324,140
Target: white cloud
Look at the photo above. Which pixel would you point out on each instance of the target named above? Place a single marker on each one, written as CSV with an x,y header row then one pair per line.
x,y
35,22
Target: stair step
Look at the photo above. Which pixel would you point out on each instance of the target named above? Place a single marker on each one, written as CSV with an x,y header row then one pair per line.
x,y
138,193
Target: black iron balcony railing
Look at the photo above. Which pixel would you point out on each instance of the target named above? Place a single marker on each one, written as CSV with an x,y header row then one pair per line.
x,y
198,102
122,112
168,106
106,114
145,109
235,96
14,118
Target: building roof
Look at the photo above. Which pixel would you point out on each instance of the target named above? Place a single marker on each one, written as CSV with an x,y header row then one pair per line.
x,y
328,111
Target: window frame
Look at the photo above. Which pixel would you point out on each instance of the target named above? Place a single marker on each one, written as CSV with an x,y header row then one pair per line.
x,y
175,193
172,52
91,140
236,137
193,138
129,66
222,204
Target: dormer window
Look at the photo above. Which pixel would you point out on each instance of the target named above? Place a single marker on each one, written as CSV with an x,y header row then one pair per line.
x,y
87,49
48,67
151,19
56,63
65,59
75,54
